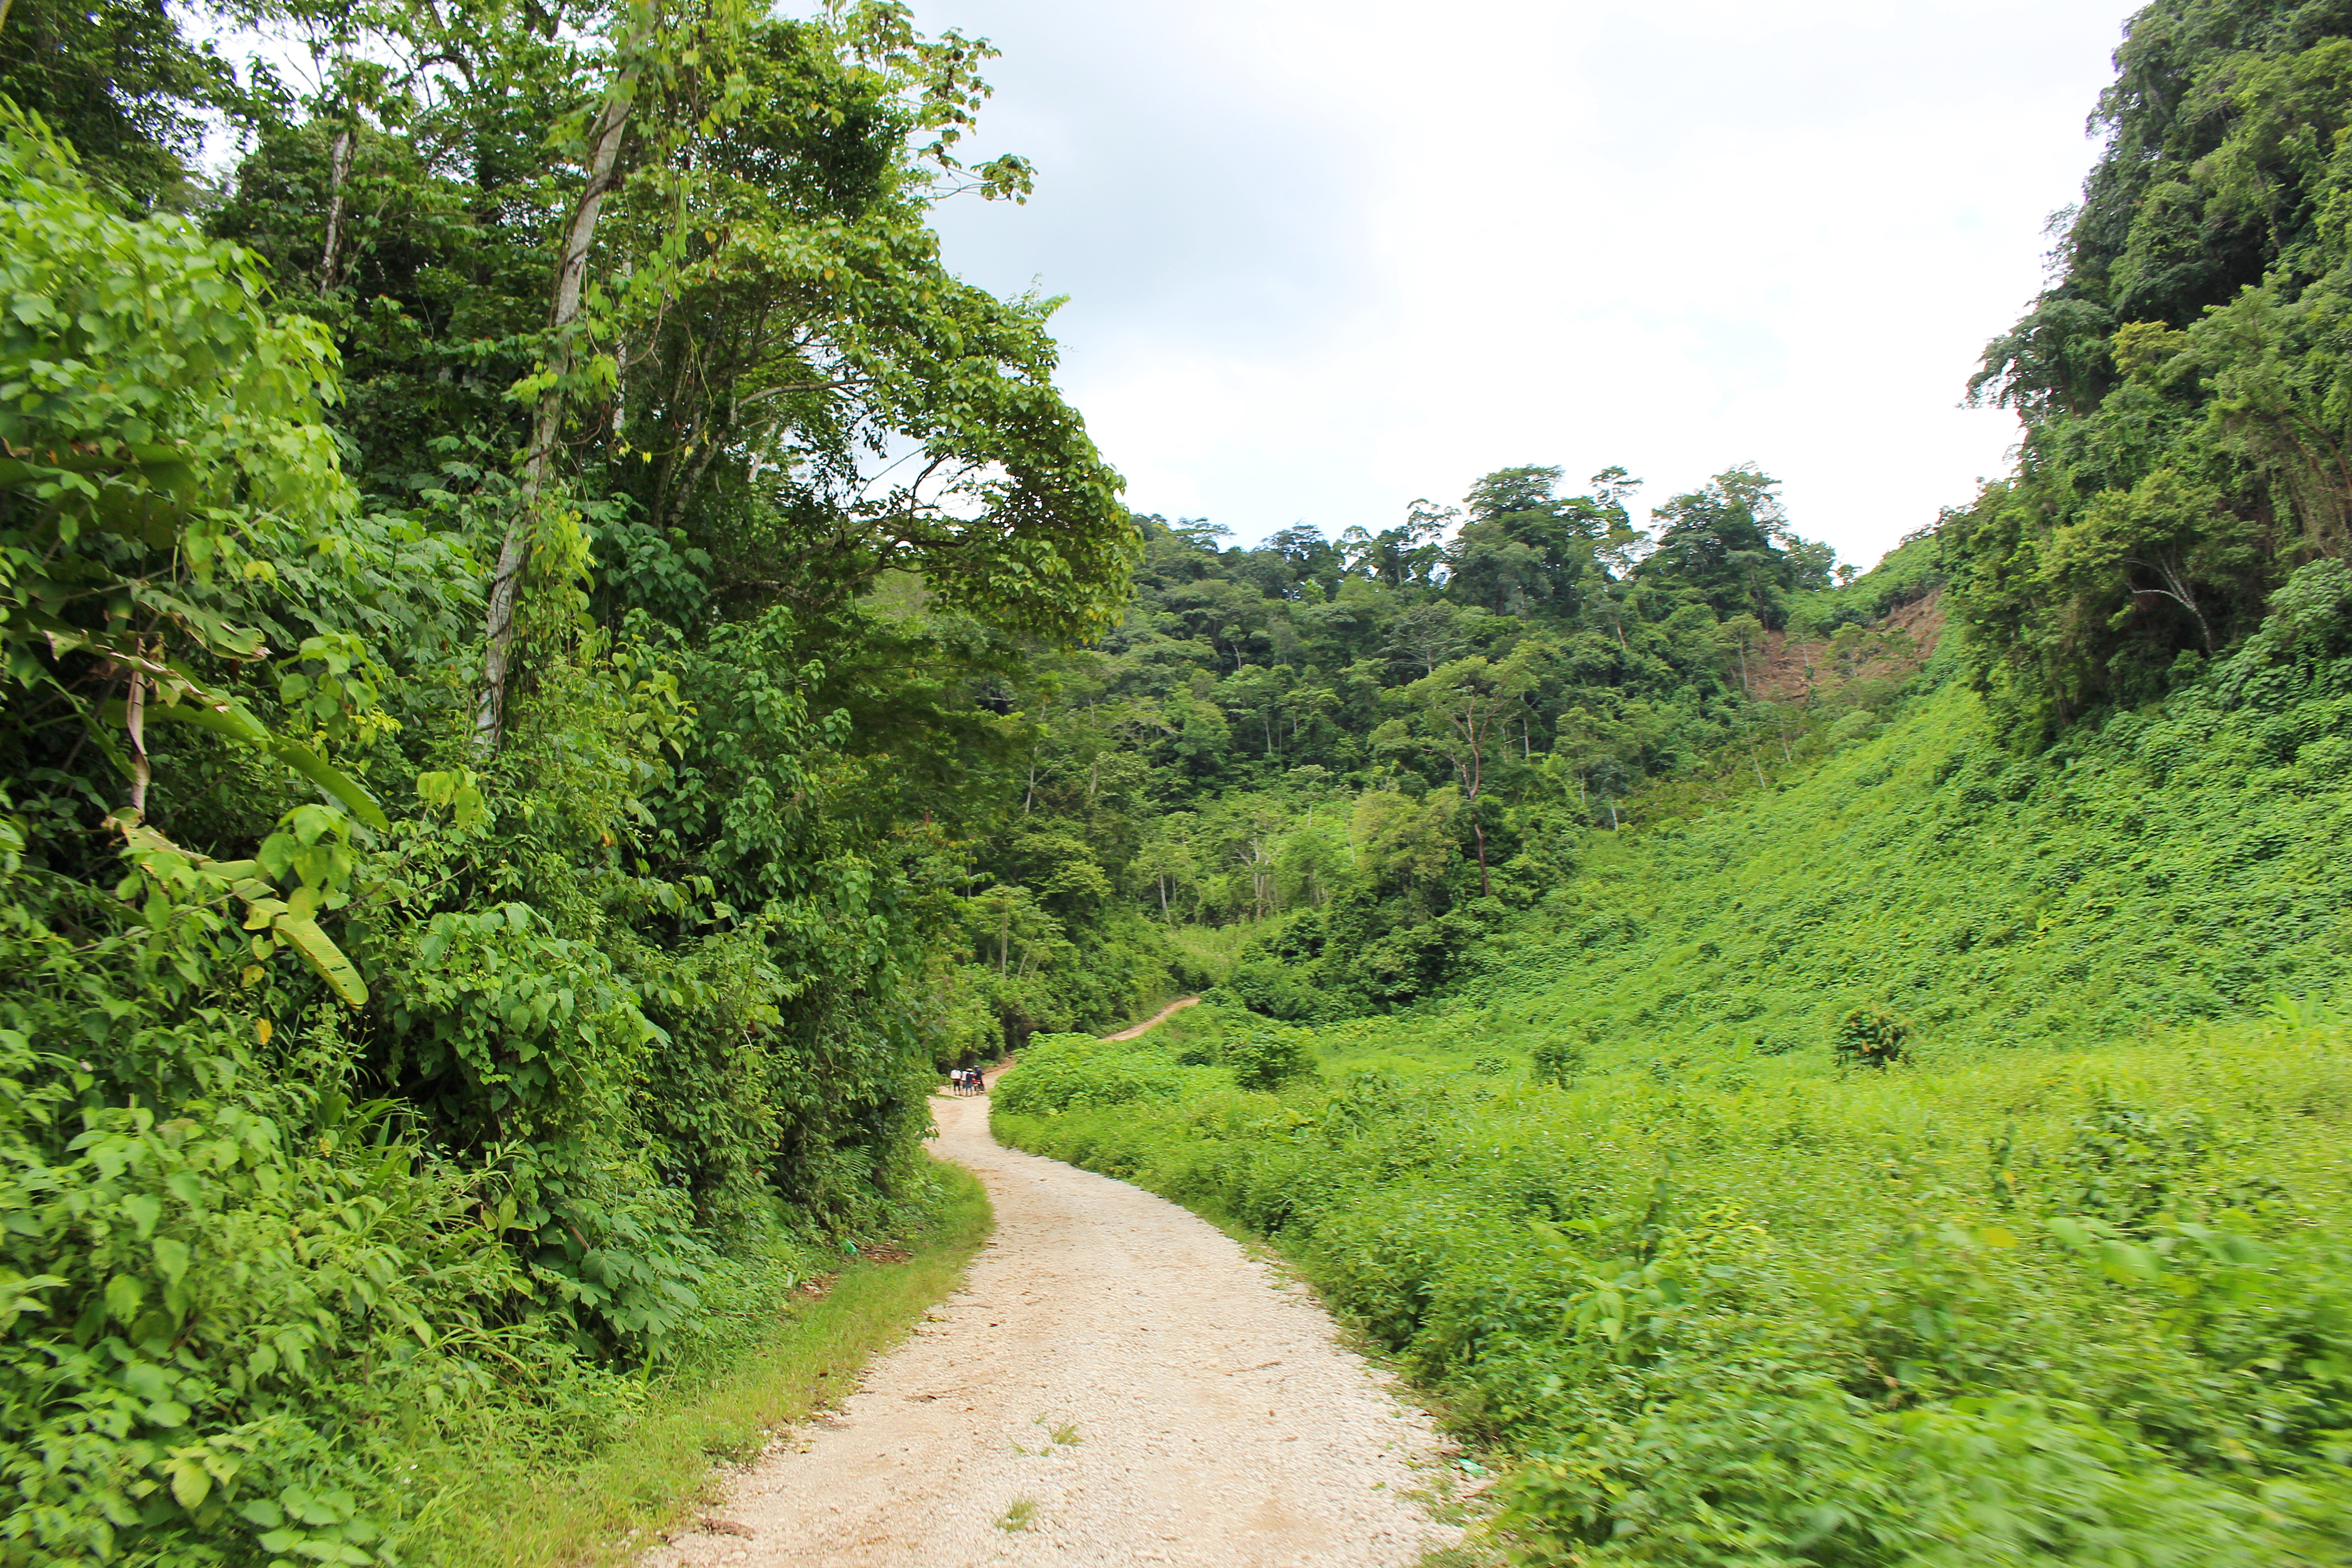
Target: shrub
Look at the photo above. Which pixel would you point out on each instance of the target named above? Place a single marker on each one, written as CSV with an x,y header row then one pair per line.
x,y
1871,1037
1262,1059
1557,1061
1059,1072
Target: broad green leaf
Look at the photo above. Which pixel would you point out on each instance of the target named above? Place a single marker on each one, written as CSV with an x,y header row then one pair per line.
x,y
325,957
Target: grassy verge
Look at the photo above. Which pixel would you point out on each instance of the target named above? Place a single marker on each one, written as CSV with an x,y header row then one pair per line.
x,y
658,1467
2062,1305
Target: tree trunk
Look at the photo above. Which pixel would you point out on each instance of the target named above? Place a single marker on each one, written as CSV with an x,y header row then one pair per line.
x,y
547,427
338,169
2181,592
134,718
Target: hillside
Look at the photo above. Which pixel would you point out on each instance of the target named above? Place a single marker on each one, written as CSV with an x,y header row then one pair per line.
x,y
1935,1156
2166,866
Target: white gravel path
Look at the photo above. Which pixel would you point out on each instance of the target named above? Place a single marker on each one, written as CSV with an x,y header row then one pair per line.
x,y
1206,1413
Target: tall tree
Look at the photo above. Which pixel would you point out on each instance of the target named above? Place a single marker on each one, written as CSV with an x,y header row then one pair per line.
x,y
1466,704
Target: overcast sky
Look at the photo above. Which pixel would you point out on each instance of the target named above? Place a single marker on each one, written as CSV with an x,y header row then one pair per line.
x,y
1323,259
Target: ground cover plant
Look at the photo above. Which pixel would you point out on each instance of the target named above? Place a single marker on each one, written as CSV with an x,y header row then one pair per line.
x,y
2054,1307
1936,1155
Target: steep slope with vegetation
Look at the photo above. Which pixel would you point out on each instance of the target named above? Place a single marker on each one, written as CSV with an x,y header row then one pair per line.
x,y
1844,1175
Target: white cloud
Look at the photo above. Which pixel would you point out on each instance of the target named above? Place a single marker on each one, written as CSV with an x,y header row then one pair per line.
x,y
1323,259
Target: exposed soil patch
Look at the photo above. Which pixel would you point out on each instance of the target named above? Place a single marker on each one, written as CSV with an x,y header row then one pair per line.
x,y
1792,670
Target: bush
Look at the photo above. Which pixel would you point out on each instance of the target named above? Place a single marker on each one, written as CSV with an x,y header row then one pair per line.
x,y
1060,1072
1558,1062
1871,1037
1263,1059
1279,991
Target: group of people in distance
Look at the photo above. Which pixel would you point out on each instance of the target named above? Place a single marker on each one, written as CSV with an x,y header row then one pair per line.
x,y
966,1080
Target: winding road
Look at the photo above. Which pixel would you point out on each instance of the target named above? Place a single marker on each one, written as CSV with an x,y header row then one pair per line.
x,y
1118,1382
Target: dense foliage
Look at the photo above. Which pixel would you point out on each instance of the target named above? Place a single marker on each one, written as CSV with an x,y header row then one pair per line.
x,y
467,935
1774,1194
2182,381
1359,755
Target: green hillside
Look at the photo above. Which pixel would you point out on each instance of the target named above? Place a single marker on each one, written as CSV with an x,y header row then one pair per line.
x,y
2178,864
1934,1156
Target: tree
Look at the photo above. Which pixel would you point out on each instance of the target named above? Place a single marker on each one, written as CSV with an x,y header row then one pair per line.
x,y
1168,862
1426,634
1524,547
1744,637
598,151
1465,702
118,81
1727,545
1410,555
1310,864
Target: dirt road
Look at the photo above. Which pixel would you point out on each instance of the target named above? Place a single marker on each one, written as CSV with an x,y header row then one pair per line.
x,y
1155,1019
1117,1383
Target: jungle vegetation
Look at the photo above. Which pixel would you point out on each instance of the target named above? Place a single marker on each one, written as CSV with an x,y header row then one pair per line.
x,y
559,665
470,943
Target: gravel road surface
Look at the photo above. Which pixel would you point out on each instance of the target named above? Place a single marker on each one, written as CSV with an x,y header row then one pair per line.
x,y
1117,1383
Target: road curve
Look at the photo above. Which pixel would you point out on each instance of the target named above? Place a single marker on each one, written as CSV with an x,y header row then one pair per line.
x,y
1118,1382
1155,1019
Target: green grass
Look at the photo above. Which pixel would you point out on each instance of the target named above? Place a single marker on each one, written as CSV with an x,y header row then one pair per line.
x,y
724,1404
2069,1283
1211,950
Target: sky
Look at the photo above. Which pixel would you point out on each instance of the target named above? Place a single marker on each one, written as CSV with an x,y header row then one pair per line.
x,y
1323,258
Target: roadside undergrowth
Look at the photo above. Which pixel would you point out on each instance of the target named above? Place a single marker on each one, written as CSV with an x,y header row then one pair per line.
x,y
721,1405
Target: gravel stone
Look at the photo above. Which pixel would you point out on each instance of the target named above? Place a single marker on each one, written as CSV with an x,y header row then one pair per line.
x,y
1124,1370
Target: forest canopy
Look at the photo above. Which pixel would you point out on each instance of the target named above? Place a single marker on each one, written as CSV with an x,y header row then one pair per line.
x,y
464,920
